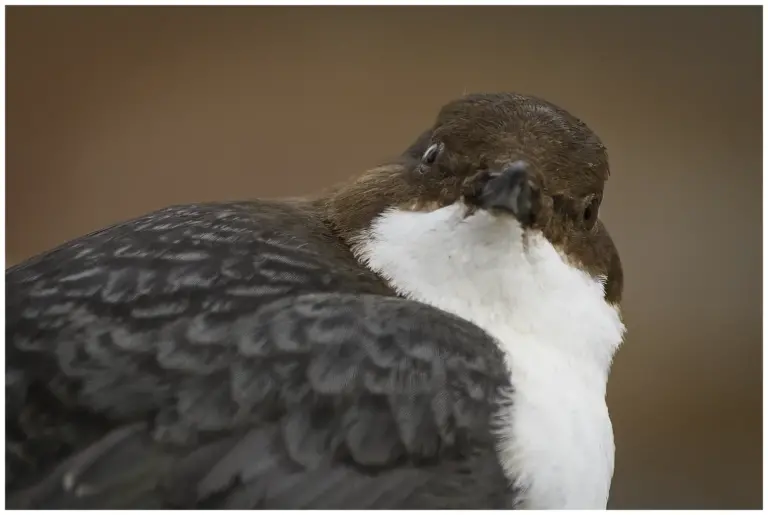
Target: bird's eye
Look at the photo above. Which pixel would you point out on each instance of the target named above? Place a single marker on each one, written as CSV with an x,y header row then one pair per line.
x,y
590,211
431,153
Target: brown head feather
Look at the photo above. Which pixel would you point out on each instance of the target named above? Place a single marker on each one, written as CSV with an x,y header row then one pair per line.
x,y
488,131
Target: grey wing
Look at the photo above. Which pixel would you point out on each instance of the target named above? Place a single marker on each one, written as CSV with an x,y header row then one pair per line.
x,y
197,357
318,401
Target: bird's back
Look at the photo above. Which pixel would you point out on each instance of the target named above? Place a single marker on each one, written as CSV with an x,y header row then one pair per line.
x,y
237,355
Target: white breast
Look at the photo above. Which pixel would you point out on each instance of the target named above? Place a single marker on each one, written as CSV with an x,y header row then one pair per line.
x,y
551,320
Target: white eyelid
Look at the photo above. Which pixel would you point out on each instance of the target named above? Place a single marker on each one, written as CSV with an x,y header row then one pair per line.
x,y
431,153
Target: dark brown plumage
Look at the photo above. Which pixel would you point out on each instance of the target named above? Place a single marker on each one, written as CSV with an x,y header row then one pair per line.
x,y
480,135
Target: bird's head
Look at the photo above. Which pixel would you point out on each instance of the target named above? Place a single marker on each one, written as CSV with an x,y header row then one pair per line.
x,y
511,155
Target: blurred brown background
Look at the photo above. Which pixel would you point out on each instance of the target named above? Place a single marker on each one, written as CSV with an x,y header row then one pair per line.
x,y
112,112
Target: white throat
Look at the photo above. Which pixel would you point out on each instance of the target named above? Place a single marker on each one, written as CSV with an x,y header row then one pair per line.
x,y
551,320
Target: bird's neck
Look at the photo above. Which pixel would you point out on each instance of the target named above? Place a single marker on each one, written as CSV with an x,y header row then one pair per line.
x,y
351,205
486,269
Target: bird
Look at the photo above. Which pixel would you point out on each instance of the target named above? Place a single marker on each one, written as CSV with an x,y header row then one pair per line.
x,y
433,333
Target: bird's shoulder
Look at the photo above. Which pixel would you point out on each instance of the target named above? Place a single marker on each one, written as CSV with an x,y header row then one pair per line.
x,y
191,246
